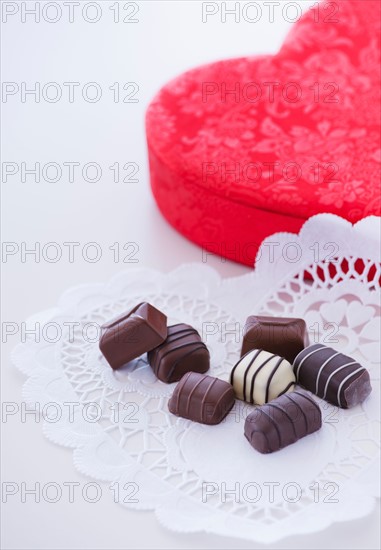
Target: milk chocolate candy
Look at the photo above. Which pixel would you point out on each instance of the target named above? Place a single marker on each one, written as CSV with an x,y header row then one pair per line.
x,y
282,422
183,351
202,398
285,336
332,376
260,376
132,334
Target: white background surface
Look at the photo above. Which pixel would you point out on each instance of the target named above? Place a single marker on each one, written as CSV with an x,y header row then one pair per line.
x,y
169,38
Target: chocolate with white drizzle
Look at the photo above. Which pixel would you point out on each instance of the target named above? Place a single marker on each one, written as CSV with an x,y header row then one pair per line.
x,y
182,351
332,376
283,421
202,398
260,376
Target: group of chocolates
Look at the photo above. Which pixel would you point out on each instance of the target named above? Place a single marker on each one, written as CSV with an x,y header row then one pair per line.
x,y
275,356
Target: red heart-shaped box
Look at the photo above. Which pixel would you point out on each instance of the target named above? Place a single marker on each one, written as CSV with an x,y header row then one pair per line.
x,y
244,148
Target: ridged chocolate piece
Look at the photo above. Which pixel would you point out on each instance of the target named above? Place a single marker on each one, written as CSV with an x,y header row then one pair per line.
x,y
183,351
282,422
202,398
332,376
132,334
284,336
260,376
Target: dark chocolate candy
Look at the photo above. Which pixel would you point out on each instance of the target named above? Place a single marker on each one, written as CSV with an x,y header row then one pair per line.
x,y
283,421
183,351
202,398
132,334
332,376
284,336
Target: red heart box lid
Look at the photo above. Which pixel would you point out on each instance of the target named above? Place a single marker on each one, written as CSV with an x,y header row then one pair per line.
x,y
293,134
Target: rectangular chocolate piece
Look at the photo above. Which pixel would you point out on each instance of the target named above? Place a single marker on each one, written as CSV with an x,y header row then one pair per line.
x,y
332,376
282,422
284,336
132,334
182,351
202,398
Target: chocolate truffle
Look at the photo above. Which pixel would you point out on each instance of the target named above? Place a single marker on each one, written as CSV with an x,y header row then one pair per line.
x,y
282,422
260,376
202,398
284,336
332,376
132,334
183,351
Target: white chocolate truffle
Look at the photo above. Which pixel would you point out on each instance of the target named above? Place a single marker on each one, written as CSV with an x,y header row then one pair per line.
x,y
260,376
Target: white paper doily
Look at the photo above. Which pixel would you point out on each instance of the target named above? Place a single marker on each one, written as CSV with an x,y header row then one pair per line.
x,y
132,439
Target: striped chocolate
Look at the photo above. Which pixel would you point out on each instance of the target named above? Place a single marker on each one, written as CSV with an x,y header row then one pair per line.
x,y
332,376
260,376
282,422
202,398
183,351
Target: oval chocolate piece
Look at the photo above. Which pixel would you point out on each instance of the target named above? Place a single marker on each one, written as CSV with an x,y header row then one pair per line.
x,y
332,376
282,422
260,376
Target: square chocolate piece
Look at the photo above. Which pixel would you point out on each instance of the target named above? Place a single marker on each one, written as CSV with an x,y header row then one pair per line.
x,y
202,398
183,351
127,337
284,336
